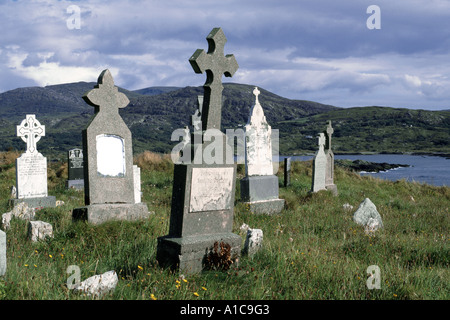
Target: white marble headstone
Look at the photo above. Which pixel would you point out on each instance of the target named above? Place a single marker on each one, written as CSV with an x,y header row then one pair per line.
x,y
31,166
320,165
258,143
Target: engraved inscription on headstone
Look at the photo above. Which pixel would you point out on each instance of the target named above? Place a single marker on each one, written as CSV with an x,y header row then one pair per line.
x,y
211,189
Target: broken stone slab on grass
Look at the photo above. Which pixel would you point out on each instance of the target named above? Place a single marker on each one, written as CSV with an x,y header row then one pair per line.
x,y
98,285
367,214
39,230
20,211
253,241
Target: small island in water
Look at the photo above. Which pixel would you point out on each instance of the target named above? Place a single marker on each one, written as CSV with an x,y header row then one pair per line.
x,y
367,166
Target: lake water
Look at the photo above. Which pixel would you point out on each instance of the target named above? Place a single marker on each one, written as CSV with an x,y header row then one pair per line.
x,y
429,169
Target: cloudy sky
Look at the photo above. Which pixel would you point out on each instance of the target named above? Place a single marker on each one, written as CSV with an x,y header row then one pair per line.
x,y
319,50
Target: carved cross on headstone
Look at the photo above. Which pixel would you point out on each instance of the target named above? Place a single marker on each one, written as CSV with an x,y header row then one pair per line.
x,y
215,64
330,131
105,96
31,131
256,92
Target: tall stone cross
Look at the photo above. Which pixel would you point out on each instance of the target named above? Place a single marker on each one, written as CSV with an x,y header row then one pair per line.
x,y
31,131
105,96
329,133
215,64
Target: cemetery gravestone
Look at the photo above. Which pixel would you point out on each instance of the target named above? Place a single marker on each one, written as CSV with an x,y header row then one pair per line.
x,y
75,169
203,192
287,171
2,253
31,167
109,180
329,172
259,188
319,166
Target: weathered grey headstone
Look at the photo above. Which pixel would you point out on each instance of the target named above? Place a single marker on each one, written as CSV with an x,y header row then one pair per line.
x,y
98,285
2,253
203,191
31,167
319,166
253,241
367,215
75,163
109,180
287,171
259,187
329,172
39,230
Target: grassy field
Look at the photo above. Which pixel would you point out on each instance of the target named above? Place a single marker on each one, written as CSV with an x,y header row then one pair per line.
x,y
312,250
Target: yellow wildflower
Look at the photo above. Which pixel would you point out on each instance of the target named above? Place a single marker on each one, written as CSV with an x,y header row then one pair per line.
x,y
152,296
196,294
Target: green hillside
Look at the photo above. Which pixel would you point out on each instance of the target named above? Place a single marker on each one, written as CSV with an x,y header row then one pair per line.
x,y
154,113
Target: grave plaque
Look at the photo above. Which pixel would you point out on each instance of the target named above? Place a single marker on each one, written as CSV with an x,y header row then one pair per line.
x,y
31,167
75,169
109,181
203,189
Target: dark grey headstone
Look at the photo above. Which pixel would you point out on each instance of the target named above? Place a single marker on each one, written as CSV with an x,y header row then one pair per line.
x,y
287,171
203,192
75,164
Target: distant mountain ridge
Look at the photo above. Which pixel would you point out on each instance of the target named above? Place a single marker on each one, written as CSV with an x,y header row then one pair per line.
x,y
155,112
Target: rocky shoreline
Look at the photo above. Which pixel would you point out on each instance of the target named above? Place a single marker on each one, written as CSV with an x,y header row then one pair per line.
x,y
367,166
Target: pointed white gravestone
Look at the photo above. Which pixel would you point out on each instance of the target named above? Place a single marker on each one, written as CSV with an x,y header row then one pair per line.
x,y
319,166
259,188
31,167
